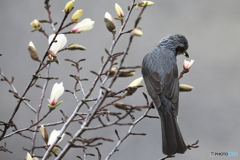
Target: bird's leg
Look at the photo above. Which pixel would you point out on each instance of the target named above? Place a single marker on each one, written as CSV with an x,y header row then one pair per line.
x,y
194,145
168,157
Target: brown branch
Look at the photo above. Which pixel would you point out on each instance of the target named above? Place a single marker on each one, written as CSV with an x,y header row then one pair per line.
x,y
31,83
129,133
99,154
49,15
101,98
43,31
15,91
39,109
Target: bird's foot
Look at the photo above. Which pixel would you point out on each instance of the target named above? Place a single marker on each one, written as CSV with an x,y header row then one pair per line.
x,y
194,145
168,157
152,105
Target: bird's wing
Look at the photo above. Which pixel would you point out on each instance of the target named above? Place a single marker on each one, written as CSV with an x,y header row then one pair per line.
x,y
171,89
152,81
152,77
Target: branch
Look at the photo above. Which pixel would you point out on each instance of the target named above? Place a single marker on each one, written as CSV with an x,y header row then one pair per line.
x,y
39,109
15,91
129,133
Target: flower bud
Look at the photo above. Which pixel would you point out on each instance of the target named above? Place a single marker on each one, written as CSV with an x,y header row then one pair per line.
x,y
75,46
126,73
109,22
33,52
82,26
187,65
44,134
35,23
69,6
29,157
119,11
137,32
132,88
56,93
76,15
136,82
185,88
143,3
121,105
112,72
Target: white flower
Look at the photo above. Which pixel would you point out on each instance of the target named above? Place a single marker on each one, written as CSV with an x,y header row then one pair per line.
x,y
53,136
136,82
61,41
187,64
82,26
119,11
57,91
28,157
108,16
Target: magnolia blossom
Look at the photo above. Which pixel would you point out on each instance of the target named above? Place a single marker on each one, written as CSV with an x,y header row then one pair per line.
x,y
143,3
68,7
35,23
44,133
76,15
185,88
109,22
137,32
82,26
29,157
187,65
61,41
57,91
33,52
134,83
109,17
119,11
53,136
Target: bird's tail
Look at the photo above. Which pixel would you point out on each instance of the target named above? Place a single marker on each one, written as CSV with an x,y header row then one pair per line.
x,y
171,135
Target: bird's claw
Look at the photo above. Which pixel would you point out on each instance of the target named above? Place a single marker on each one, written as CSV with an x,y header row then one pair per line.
x,y
168,157
194,145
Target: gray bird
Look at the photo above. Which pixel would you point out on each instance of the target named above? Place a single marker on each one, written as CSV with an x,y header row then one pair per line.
x,y
160,74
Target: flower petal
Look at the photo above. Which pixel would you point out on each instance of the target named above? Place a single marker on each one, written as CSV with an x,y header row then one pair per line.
x,y
84,25
53,136
57,91
61,41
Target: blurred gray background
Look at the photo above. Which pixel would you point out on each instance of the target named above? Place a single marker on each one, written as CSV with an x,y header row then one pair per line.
x,y
210,113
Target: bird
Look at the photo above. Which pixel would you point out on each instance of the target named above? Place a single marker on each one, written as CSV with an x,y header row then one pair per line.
x,y
160,74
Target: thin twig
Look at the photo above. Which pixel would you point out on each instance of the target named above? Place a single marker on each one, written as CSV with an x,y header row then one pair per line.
x,y
39,109
128,133
15,90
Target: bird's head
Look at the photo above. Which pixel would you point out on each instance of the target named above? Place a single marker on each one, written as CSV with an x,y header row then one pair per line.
x,y
177,43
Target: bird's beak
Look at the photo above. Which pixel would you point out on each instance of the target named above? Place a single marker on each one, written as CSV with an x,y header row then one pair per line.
x,y
185,54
